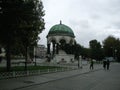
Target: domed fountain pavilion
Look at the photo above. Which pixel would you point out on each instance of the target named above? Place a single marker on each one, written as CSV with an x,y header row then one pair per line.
x,y
60,40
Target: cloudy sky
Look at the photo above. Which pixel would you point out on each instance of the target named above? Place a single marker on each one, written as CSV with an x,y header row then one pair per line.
x,y
89,19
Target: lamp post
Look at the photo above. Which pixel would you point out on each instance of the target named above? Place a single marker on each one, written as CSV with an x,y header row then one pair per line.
x,y
115,54
34,55
80,59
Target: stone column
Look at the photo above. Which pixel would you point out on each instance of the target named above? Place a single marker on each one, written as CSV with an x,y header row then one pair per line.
x,y
53,48
57,48
48,48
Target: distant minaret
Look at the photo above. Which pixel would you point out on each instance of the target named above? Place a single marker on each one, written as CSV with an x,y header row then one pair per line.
x,y
60,22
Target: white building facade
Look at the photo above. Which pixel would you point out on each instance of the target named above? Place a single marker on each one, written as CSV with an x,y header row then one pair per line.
x,y
40,51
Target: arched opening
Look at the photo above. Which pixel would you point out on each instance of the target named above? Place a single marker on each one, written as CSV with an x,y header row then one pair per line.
x,y
62,44
53,47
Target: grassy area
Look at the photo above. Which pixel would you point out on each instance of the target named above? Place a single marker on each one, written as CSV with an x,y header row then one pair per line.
x,y
22,68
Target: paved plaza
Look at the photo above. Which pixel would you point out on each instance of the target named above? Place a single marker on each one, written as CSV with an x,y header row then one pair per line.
x,y
80,79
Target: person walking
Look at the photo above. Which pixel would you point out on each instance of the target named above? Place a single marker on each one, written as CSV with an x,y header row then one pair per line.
x,y
91,64
108,64
104,64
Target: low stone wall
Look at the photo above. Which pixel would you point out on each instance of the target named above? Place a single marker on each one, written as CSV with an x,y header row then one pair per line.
x,y
64,58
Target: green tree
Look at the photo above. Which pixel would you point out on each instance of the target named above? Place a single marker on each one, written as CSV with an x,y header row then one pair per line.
x,y
77,50
96,50
8,26
33,25
20,22
111,47
85,52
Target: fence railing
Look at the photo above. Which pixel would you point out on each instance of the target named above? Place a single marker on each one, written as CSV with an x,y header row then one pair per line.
x,y
13,74
62,67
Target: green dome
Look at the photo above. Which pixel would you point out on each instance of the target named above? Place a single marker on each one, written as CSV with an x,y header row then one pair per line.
x,y
61,29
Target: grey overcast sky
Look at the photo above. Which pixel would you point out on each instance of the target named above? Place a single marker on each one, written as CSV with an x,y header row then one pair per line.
x,y
89,19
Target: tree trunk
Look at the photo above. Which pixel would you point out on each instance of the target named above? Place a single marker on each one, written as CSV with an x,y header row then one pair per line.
x,y
0,53
26,57
8,58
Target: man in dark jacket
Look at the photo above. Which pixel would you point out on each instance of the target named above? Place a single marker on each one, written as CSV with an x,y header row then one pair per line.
x,y
108,64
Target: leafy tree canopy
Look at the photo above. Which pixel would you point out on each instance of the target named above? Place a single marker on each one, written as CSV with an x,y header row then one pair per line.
x,y
20,23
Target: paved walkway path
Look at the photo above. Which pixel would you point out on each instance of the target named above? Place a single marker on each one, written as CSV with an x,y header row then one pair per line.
x,y
21,82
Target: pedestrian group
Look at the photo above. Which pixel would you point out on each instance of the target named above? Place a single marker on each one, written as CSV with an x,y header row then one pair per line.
x,y
106,64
